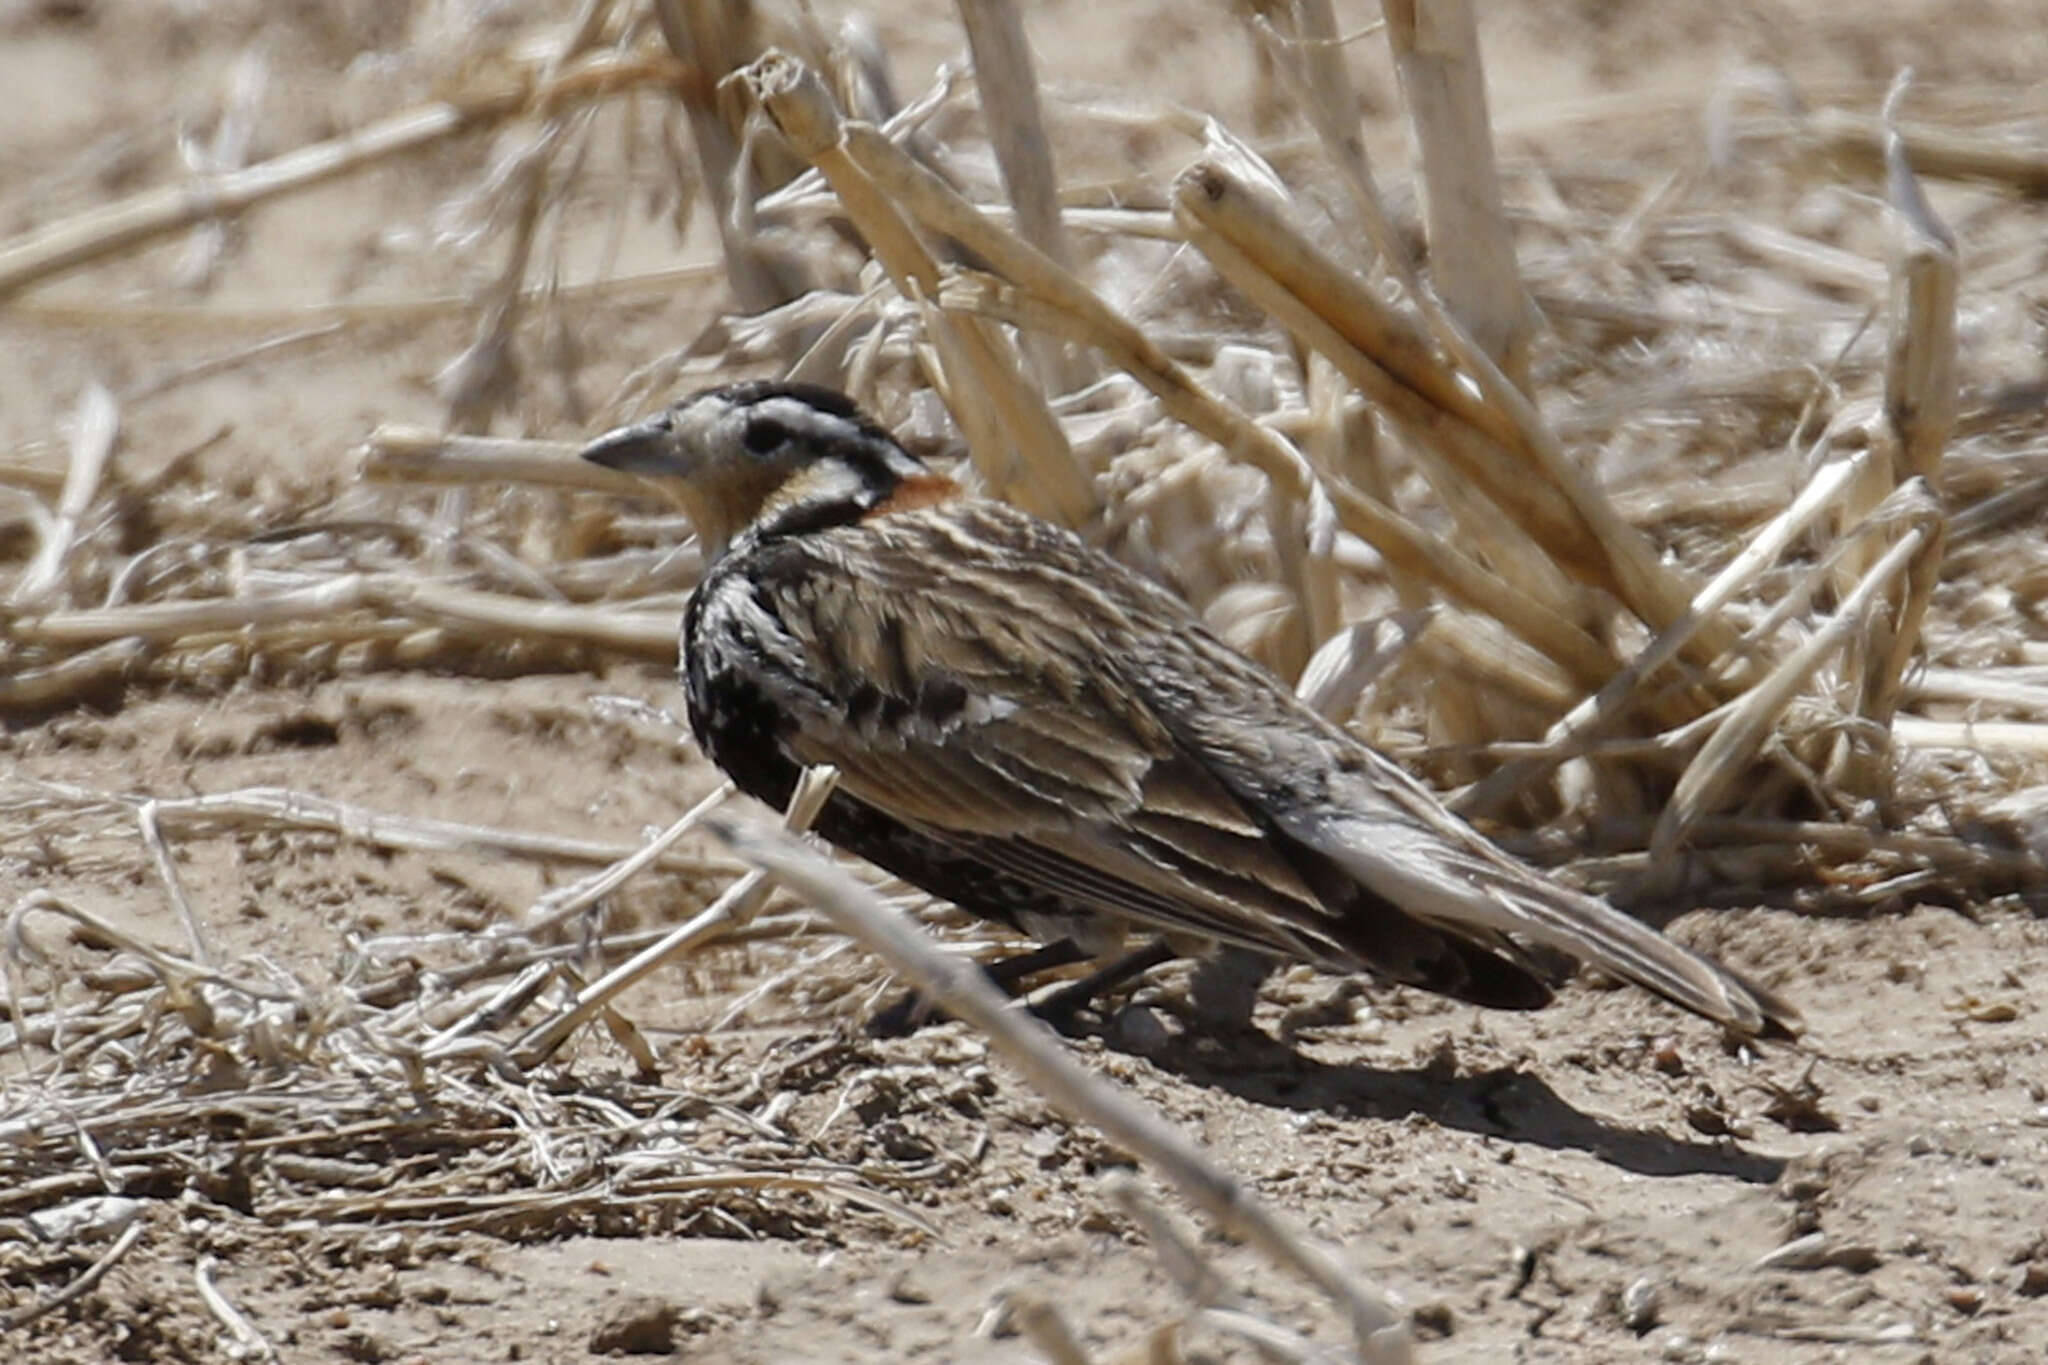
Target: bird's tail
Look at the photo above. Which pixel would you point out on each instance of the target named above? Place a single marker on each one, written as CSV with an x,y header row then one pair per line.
x,y
1601,936
1438,869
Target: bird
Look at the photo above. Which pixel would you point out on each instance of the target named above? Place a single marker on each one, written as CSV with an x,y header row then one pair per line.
x,y
1030,729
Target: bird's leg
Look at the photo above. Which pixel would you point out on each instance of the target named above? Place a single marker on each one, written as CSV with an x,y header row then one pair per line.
x,y
1059,1008
1224,989
1007,972
912,1011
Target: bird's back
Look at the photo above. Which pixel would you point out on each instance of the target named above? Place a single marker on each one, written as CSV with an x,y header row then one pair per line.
x,y
893,628
1030,729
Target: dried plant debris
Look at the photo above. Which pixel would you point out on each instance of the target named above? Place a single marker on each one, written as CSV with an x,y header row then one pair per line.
x,y
1661,480
1577,615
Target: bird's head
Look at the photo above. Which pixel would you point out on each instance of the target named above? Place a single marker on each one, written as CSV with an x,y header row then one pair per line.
x,y
759,454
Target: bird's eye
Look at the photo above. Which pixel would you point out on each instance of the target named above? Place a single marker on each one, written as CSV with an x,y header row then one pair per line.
x,y
764,434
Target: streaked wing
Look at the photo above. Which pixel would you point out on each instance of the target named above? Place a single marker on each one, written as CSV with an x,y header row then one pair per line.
x,y
1035,731
1338,797
976,710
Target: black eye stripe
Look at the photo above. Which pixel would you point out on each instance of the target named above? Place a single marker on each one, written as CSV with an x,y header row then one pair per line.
x,y
764,434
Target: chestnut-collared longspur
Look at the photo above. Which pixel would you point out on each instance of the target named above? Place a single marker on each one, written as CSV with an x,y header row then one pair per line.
x,y
1031,730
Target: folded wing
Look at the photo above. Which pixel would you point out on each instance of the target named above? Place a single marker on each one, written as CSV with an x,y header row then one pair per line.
x,y
1088,738
981,715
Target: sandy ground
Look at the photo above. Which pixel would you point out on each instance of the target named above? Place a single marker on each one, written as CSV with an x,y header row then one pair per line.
x,y
1597,1182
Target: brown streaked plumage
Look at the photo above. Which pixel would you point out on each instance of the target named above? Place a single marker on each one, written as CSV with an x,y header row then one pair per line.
x,y
1033,731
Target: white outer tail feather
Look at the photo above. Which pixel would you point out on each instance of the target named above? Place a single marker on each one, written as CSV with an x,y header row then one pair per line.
x,y
1468,885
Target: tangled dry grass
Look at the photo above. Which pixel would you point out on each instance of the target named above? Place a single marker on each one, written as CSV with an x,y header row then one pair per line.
x,y
1711,574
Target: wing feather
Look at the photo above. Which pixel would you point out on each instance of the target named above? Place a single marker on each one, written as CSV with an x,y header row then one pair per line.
x,y
1011,744
1350,804
1090,739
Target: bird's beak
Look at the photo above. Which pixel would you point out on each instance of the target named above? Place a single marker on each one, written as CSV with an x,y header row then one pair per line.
x,y
646,448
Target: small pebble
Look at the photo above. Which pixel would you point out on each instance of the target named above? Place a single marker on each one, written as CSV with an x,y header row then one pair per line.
x,y
1433,1321
1816,1250
1706,1120
907,1288
640,1325
1140,1030
1801,1253
1639,1305
1680,1347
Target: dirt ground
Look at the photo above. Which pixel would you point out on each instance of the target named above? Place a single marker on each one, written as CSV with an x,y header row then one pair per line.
x,y
1595,1182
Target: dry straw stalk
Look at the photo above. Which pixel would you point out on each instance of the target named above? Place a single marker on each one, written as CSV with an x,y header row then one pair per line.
x,y
1379,1331
1017,445
155,213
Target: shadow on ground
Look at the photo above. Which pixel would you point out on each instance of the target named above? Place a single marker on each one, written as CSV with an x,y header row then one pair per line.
x,y
1502,1102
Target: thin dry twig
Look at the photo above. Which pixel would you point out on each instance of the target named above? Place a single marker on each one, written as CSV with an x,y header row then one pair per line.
x,y
1722,759
95,425
1937,153
730,911
248,1341
1606,707
710,41
75,676
1380,1332
1018,447
406,454
1490,440
1016,125
80,1287
1197,1276
117,227
648,635
167,872
254,808
552,909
